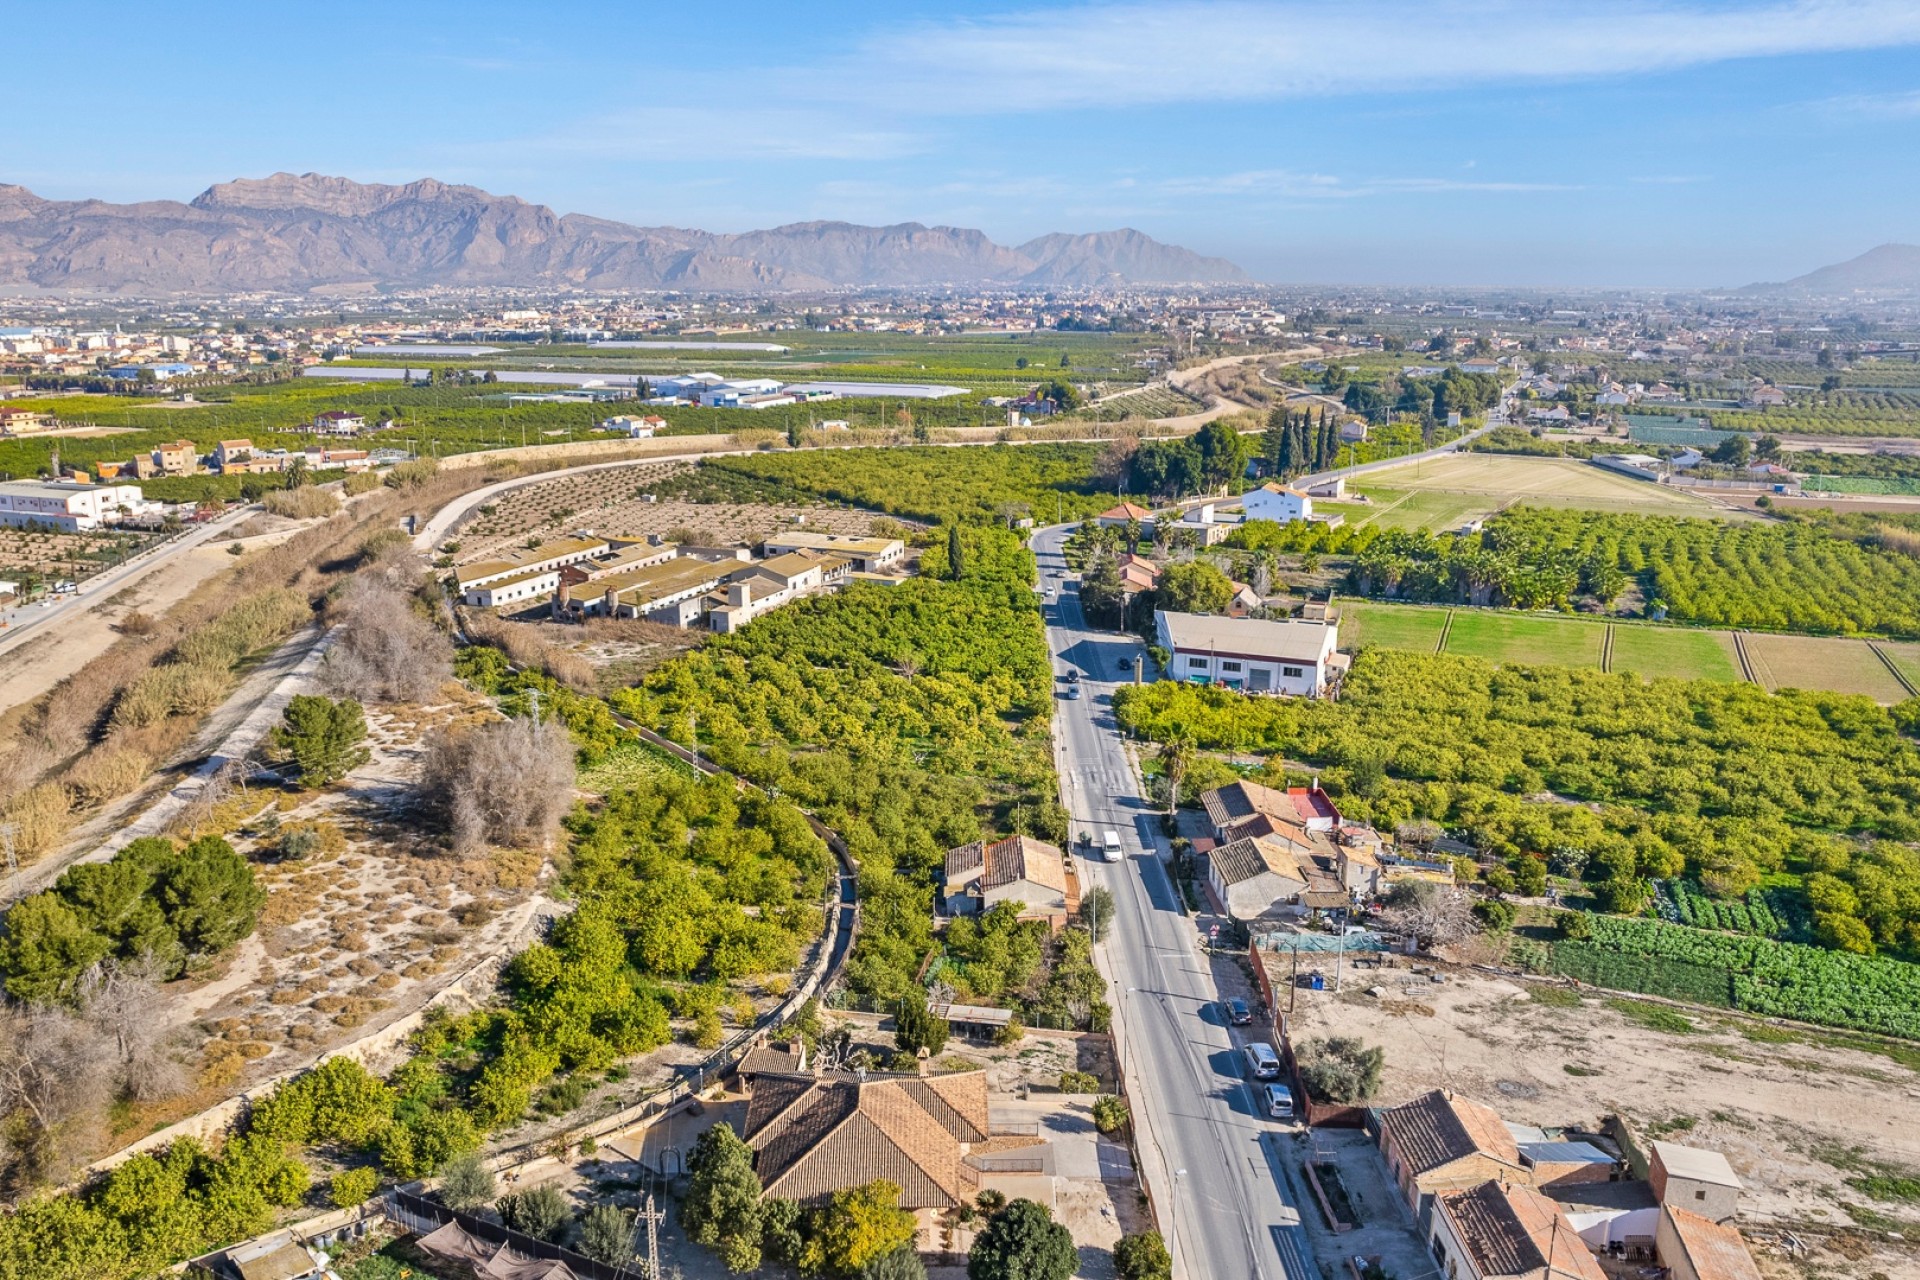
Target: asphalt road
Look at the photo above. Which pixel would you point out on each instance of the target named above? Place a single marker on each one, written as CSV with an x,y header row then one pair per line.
x,y
29,621
1210,1155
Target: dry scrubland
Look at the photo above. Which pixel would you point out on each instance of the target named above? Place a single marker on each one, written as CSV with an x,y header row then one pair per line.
x,y
1798,1111
611,504
362,930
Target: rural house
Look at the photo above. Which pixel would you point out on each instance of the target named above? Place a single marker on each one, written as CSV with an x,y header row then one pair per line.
x,y
1277,502
815,1135
1254,877
1692,1247
1019,869
1441,1142
1497,1231
1306,808
1250,654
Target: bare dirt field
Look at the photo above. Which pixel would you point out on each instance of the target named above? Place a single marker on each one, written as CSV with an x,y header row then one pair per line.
x,y
1798,1112
612,504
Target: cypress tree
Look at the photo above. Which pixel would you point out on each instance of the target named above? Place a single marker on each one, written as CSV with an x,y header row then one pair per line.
x,y
954,567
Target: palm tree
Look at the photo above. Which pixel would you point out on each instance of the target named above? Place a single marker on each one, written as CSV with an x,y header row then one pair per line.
x,y
1176,757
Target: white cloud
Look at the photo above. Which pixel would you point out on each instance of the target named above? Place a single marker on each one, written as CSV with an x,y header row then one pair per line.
x,y
1114,55
1287,184
1877,106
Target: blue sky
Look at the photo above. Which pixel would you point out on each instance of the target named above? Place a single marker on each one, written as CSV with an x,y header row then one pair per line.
x,y
1640,142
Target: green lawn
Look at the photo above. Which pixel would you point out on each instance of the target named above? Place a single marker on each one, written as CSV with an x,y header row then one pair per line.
x,y
1676,652
1392,626
1514,637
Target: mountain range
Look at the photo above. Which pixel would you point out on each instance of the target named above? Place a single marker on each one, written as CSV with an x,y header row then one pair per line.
x,y
1890,268
291,233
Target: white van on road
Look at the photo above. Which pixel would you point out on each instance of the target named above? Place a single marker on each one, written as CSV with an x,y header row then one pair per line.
x,y
1110,847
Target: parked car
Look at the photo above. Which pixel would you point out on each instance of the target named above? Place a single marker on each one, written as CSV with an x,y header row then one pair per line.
x,y
1262,1062
1279,1100
1238,1013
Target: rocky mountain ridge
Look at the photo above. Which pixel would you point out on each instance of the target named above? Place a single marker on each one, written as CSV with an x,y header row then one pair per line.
x,y
291,233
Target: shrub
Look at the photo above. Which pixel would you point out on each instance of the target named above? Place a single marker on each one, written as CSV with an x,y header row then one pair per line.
x,y
1023,1242
304,503
412,475
466,1183
1110,1114
1494,915
1340,1068
606,1235
1079,1082
1142,1257
353,1186
541,1212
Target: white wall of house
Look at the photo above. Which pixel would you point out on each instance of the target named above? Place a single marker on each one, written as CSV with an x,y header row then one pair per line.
x,y
1282,506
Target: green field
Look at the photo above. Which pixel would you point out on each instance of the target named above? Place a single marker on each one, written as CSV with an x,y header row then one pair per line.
x,y
1674,651
1516,637
1419,509
1446,492
1393,626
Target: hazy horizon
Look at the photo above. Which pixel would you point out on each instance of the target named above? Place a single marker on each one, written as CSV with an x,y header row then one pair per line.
x,y
1467,144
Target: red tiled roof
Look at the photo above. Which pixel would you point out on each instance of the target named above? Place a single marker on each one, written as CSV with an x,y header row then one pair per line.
x,y
1436,1129
1517,1232
1715,1249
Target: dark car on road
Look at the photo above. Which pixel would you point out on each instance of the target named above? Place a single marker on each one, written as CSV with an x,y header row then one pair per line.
x,y
1238,1013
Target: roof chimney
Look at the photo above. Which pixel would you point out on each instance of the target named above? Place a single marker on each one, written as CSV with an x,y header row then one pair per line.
x,y
737,594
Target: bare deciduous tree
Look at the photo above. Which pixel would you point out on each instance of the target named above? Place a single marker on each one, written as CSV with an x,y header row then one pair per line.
x,y
505,783
1438,915
118,999
49,1077
385,650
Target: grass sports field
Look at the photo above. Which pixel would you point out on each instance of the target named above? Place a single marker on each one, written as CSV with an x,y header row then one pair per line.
x,y
1683,653
1446,492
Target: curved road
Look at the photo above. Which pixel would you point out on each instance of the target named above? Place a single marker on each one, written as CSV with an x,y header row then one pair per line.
x,y
1210,1157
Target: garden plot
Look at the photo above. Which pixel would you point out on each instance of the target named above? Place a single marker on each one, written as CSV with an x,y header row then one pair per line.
x,y
54,555
1798,1112
1525,638
1674,651
612,503
364,928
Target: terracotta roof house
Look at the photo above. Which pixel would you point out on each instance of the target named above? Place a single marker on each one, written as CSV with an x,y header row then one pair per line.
x,y
1253,877
1691,1247
1019,869
1496,1231
814,1135
1120,516
1305,808
1442,1142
